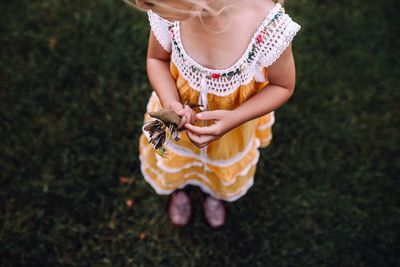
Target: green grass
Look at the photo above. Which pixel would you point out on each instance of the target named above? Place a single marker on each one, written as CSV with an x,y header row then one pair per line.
x,y
326,191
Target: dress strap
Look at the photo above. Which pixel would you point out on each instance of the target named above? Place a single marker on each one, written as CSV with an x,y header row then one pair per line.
x,y
160,27
276,38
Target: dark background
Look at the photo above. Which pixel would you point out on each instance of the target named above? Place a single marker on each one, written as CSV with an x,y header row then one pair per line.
x,y
72,98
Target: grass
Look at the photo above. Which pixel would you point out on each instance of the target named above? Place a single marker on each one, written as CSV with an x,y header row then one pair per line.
x,y
73,94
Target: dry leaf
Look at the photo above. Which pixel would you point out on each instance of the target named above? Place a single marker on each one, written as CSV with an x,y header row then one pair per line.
x,y
166,115
129,202
142,235
52,42
125,180
163,129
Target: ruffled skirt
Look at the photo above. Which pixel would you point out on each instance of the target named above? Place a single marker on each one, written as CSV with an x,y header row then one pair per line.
x,y
224,169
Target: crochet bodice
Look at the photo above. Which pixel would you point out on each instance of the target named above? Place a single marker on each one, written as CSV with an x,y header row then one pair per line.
x,y
270,39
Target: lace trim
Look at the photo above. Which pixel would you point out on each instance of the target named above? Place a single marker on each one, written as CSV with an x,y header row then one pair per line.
x,y
231,197
243,172
247,56
269,41
280,40
199,164
269,124
182,151
159,26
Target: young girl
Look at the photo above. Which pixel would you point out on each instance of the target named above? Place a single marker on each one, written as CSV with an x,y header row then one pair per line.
x,y
234,58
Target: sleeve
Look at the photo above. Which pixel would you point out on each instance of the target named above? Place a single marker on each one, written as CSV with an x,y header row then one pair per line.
x,y
278,37
160,27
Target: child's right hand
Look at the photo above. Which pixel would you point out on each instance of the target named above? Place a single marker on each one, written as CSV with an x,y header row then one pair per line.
x,y
187,114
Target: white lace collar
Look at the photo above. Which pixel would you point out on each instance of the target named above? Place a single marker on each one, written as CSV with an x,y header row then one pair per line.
x,y
242,60
269,40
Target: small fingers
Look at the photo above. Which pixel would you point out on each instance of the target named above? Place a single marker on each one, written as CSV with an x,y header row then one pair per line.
x,y
192,114
196,143
188,119
188,113
205,130
185,117
181,112
199,141
182,122
193,138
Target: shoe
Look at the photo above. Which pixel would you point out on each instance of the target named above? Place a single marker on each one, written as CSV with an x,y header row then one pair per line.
x,y
179,208
214,212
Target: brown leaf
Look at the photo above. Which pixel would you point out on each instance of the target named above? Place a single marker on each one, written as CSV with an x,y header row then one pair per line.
x,y
129,202
142,235
125,180
52,42
166,115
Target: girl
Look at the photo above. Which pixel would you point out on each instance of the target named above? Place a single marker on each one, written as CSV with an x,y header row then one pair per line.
x,y
234,58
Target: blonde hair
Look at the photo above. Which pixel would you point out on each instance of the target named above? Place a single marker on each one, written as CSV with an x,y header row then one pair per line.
x,y
200,8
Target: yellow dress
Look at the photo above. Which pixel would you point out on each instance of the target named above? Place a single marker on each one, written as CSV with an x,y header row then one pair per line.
x,y
225,168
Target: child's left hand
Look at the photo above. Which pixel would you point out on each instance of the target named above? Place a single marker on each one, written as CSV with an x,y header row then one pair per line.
x,y
223,122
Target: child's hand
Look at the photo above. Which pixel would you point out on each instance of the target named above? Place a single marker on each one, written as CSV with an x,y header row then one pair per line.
x,y
188,115
224,121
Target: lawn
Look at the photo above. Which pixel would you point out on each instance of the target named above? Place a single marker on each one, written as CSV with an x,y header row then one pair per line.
x,y
73,92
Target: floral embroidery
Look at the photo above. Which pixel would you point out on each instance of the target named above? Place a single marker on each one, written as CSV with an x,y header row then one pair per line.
x,y
259,39
250,56
171,32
